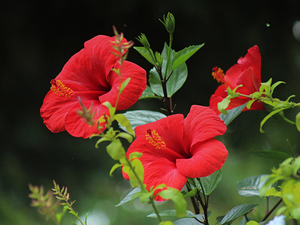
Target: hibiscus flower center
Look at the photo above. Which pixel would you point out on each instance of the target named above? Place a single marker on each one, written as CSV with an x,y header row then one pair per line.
x,y
60,89
154,139
219,75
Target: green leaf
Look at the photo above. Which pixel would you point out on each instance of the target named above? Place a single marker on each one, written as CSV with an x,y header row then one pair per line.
x,y
171,213
117,165
275,85
210,182
141,117
222,106
232,114
135,155
190,221
143,196
148,93
273,192
183,55
268,117
124,84
269,183
191,193
270,154
298,121
176,80
252,222
166,223
155,82
74,213
111,109
126,136
145,53
115,149
178,76
139,170
251,186
249,104
85,218
237,211
124,122
129,196
177,198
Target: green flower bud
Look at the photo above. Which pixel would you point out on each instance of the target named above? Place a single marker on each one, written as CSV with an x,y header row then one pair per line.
x,y
143,39
169,22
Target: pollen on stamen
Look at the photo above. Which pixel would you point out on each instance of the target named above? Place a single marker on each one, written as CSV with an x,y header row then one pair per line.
x,y
60,89
219,75
155,140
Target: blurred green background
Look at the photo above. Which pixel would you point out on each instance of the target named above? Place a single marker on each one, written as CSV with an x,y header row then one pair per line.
x,y
38,37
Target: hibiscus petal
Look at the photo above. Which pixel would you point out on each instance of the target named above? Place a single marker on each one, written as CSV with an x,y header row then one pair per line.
x,y
252,59
219,95
207,157
170,129
249,81
162,171
80,73
201,124
232,75
76,126
54,111
132,91
100,52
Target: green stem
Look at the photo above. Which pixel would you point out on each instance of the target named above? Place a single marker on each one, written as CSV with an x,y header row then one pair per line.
x,y
195,204
151,200
290,104
270,212
205,204
290,147
168,57
288,121
155,209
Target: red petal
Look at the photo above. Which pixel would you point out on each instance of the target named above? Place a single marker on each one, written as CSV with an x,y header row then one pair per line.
x,y
219,95
163,171
132,91
201,124
100,52
170,129
76,126
252,59
208,157
54,111
249,82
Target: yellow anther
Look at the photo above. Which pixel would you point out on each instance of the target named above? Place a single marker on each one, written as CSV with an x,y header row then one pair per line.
x,y
154,139
60,89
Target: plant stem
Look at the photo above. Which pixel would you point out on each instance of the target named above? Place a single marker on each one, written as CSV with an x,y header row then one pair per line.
x,y
195,204
155,209
151,200
168,57
270,212
267,210
205,204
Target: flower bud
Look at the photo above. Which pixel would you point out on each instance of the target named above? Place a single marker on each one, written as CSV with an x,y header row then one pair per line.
x,y
143,39
169,23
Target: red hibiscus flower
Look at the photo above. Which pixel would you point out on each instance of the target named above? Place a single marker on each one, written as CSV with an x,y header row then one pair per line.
x,y
88,74
245,72
175,148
